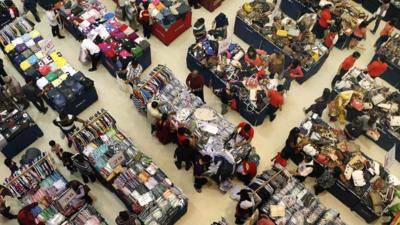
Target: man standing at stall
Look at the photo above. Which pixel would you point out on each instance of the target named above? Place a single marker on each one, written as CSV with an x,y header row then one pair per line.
x,y
195,83
30,5
144,17
276,101
34,95
377,67
346,65
53,16
93,50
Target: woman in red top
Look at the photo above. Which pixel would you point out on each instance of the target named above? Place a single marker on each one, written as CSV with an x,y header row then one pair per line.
x,y
294,71
385,34
346,65
324,21
331,38
360,33
164,129
244,133
377,67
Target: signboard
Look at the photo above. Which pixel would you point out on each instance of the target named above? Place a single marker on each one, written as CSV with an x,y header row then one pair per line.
x,y
117,159
67,197
390,157
47,46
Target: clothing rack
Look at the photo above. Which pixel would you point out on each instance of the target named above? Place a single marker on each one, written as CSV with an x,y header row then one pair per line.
x,y
27,169
152,75
267,181
103,112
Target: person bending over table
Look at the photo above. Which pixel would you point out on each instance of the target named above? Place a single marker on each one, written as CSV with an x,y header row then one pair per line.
x,y
244,134
195,83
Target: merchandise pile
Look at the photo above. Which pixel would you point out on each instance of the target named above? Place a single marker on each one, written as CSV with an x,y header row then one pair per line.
x,y
391,49
35,57
167,12
135,178
43,187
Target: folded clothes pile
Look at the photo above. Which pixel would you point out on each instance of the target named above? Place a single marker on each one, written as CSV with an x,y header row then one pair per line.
x,y
167,12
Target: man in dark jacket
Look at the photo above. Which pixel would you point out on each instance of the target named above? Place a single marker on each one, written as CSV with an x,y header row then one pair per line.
x,y
30,5
34,95
3,73
126,218
184,153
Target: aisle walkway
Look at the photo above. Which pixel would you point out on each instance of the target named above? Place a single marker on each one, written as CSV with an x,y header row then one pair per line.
x,y
210,205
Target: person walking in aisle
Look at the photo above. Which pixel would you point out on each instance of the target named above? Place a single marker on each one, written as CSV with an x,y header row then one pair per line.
x,y
359,34
3,72
84,167
346,65
131,12
66,159
34,95
379,14
184,153
293,71
195,83
30,5
53,16
377,67
385,34
276,101
66,123
153,114
127,218
81,190
14,90
320,103
199,168
144,17
93,50
327,179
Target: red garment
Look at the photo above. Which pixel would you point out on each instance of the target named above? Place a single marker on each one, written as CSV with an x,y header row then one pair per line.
x,y
25,216
325,16
296,72
144,16
256,62
195,83
348,63
181,138
329,39
163,131
275,98
249,168
376,68
247,135
280,160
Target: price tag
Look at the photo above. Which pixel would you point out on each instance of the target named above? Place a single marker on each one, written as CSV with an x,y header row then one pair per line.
x,y
117,159
47,46
66,198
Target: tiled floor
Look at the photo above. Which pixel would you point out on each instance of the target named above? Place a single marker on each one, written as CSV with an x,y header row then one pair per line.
x,y
269,138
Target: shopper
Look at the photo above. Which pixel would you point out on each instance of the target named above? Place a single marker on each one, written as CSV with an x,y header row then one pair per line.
x,y
13,89
359,34
127,218
276,64
129,76
34,95
377,67
246,171
292,149
153,114
56,149
276,101
195,83
327,179
183,134
66,123
305,168
199,168
379,14
346,65
30,5
226,100
385,34
53,16
66,159
245,206
132,14
354,129
194,3
84,167
325,19
30,155
144,17
5,210
93,50
3,72
11,164
81,190
221,23
293,71
184,153
164,129
26,216
369,121
331,38
244,133
320,103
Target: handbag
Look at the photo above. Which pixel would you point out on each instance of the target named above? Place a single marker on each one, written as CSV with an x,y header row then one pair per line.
x,y
252,81
282,33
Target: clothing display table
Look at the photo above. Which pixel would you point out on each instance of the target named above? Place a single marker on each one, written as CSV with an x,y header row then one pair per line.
x,y
255,117
167,36
211,5
257,40
295,9
391,50
44,191
131,175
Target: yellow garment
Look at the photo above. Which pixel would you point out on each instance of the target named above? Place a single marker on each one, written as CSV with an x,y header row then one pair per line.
x,y
64,76
160,6
282,33
25,65
55,55
39,55
34,34
56,82
247,8
315,57
8,48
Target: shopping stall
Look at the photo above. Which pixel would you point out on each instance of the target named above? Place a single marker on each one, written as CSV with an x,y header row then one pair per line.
x,y
65,88
282,199
377,99
362,178
296,8
118,42
138,182
18,130
393,11
391,50
211,5
42,189
214,133
253,30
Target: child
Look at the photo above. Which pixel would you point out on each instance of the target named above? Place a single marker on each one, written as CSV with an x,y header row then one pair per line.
x,y
53,17
56,149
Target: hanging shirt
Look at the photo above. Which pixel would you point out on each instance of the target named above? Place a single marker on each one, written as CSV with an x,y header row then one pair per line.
x,y
325,16
376,68
245,134
348,63
90,46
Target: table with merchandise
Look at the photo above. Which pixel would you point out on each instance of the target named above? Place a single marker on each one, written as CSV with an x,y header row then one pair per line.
x,y
44,191
117,41
379,99
364,185
210,5
65,89
393,11
254,29
296,8
17,128
143,187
